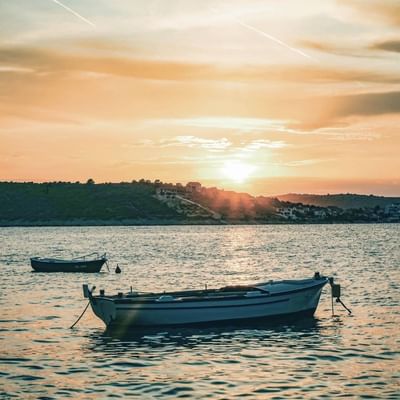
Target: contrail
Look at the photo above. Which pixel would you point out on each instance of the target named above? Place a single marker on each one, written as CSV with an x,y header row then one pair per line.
x,y
270,37
74,12
274,39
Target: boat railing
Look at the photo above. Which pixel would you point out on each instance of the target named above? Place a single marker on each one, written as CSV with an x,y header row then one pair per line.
x,y
83,257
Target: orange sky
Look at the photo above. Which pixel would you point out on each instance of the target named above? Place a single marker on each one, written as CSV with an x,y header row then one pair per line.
x,y
260,96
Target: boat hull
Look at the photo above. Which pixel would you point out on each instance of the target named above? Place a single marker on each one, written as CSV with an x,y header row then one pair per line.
x,y
271,306
67,266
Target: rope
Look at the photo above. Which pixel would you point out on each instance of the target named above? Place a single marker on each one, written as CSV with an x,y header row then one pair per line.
x,y
83,312
341,302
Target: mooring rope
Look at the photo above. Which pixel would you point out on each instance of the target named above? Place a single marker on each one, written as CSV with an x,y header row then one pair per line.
x,y
338,300
83,312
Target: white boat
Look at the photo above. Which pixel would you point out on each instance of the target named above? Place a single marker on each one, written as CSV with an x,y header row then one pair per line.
x,y
262,301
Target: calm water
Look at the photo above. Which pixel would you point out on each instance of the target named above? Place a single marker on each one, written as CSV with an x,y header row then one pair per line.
x,y
326,356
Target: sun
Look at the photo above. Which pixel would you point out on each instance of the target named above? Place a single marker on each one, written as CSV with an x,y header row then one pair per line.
x,y
237,171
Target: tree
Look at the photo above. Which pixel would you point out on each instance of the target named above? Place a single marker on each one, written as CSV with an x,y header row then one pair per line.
x,y
90,181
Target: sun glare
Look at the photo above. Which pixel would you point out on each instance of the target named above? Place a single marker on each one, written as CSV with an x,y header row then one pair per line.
x,y
237,171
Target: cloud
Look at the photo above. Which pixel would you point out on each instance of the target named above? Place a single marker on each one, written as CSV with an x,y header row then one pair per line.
x,y
213,145
210,144
190,142
52,62
15,69
170,93
255,145
242,124
356,51
368,104
387,10
335,49
47,61
301,163
387,45
334,111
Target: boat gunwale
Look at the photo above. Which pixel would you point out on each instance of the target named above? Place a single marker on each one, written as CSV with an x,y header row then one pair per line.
x,y
65,262
140,300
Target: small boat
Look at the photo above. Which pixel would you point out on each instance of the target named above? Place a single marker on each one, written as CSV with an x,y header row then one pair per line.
x,y
88,263
262,301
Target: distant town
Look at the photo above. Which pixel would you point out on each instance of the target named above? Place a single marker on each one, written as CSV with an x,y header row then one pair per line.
x,y
145,202
193,199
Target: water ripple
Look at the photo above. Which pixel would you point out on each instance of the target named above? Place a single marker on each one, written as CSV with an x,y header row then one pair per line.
x,y
323,357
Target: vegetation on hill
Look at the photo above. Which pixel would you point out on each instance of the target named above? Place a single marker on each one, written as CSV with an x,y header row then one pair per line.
x,y
60,201
345,201
145,202
235,206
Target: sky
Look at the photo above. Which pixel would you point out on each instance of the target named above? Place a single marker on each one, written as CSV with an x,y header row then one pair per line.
x,y
262,96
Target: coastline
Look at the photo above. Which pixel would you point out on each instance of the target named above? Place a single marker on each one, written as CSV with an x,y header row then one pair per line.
x,y
172,222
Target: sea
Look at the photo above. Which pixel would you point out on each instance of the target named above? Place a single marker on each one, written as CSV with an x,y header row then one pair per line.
x,y
328,356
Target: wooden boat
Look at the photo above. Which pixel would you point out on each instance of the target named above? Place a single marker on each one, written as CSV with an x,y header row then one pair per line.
x,y
265,301
88,263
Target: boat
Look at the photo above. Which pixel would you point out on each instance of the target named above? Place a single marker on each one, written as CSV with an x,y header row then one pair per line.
x,y
262,301
88,263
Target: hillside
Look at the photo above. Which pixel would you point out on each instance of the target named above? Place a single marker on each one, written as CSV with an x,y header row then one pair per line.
x,y
156,203
345,201
233,206
59,202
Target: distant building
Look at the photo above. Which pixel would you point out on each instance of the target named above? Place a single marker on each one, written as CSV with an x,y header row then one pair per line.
x,y
170,190
319,213
192,187
393,210
287,212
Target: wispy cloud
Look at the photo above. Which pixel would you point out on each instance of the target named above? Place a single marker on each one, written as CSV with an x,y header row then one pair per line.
x,y
214,145
82,18
368,104
210,144
348,50
255,145
386,11
387,45
229,123
15,69
351,132
190,142
301,163
165,70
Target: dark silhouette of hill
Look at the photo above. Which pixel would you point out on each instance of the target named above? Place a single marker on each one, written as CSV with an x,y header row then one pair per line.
x,y
153,203
60,201
345,201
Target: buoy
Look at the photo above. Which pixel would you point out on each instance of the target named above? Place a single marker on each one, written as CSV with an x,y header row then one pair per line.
x,y
118,270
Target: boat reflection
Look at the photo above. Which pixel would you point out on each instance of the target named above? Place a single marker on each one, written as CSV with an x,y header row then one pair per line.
x,y
119,340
